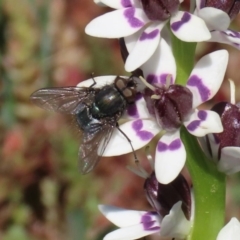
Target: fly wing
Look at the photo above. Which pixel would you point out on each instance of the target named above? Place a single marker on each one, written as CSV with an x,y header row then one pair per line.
x,y
93,146
63,100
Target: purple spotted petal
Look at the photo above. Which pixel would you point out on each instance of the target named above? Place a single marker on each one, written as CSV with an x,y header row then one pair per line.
x,y
137,110
127,20
133,224
203,122
189,28
139,132
170,157
229,37
117,4
144,48
160,65
207,76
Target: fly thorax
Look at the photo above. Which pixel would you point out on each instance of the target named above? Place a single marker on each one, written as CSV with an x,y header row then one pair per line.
x,y
108,102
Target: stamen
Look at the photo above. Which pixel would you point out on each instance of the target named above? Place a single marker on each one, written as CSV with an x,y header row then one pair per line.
x,y
147,84
154,96
168,80
232,91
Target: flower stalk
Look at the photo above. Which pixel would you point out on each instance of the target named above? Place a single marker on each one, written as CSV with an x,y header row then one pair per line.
x,y
208,183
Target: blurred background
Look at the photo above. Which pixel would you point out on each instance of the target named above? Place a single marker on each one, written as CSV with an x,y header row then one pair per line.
x,y
42,194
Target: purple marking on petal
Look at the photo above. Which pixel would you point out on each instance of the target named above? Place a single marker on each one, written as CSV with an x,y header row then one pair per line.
x,y
145,135
232,33
202,115
151,78
137,125
193,125
148,223
138,96
132,111
174,145
126,3
162,147
142,134
151,35
185,18
195,81
133,21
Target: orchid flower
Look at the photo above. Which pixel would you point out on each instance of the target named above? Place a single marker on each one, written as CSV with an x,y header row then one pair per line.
x,y
202,85
141,23
172,217
218,21
231,231
224,148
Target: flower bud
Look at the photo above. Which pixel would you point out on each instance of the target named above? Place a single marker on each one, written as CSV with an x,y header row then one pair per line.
x,y
230,116
160,10
162,197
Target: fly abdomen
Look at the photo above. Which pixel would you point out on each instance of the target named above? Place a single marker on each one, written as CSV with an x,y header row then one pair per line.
x,y
86,121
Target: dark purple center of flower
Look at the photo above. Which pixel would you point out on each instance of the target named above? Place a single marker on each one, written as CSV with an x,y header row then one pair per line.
x,y
230,116
162,197
160,10
231,7
173,106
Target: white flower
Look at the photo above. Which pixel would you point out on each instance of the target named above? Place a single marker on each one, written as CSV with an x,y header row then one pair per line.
x,y
224,148
136,224
231,231
204,81
218,23
142,35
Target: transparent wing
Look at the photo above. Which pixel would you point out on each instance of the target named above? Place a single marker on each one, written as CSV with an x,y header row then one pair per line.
x,y
93,146
64,100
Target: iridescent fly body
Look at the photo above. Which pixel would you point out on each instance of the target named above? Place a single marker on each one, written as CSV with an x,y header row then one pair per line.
x,y
96,110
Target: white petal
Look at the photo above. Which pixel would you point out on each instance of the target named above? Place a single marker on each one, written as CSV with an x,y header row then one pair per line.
x,y
117,4
231,231
101,81
230,160
123,217
144,48
137,110
202,122
160,65
117,24
229,37
131,233
214,18
189,28
214,146
170,157
175,224
207,76
140,132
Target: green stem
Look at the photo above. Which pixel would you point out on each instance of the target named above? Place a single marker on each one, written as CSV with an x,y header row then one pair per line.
x,y
209,185
209,191
184,54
